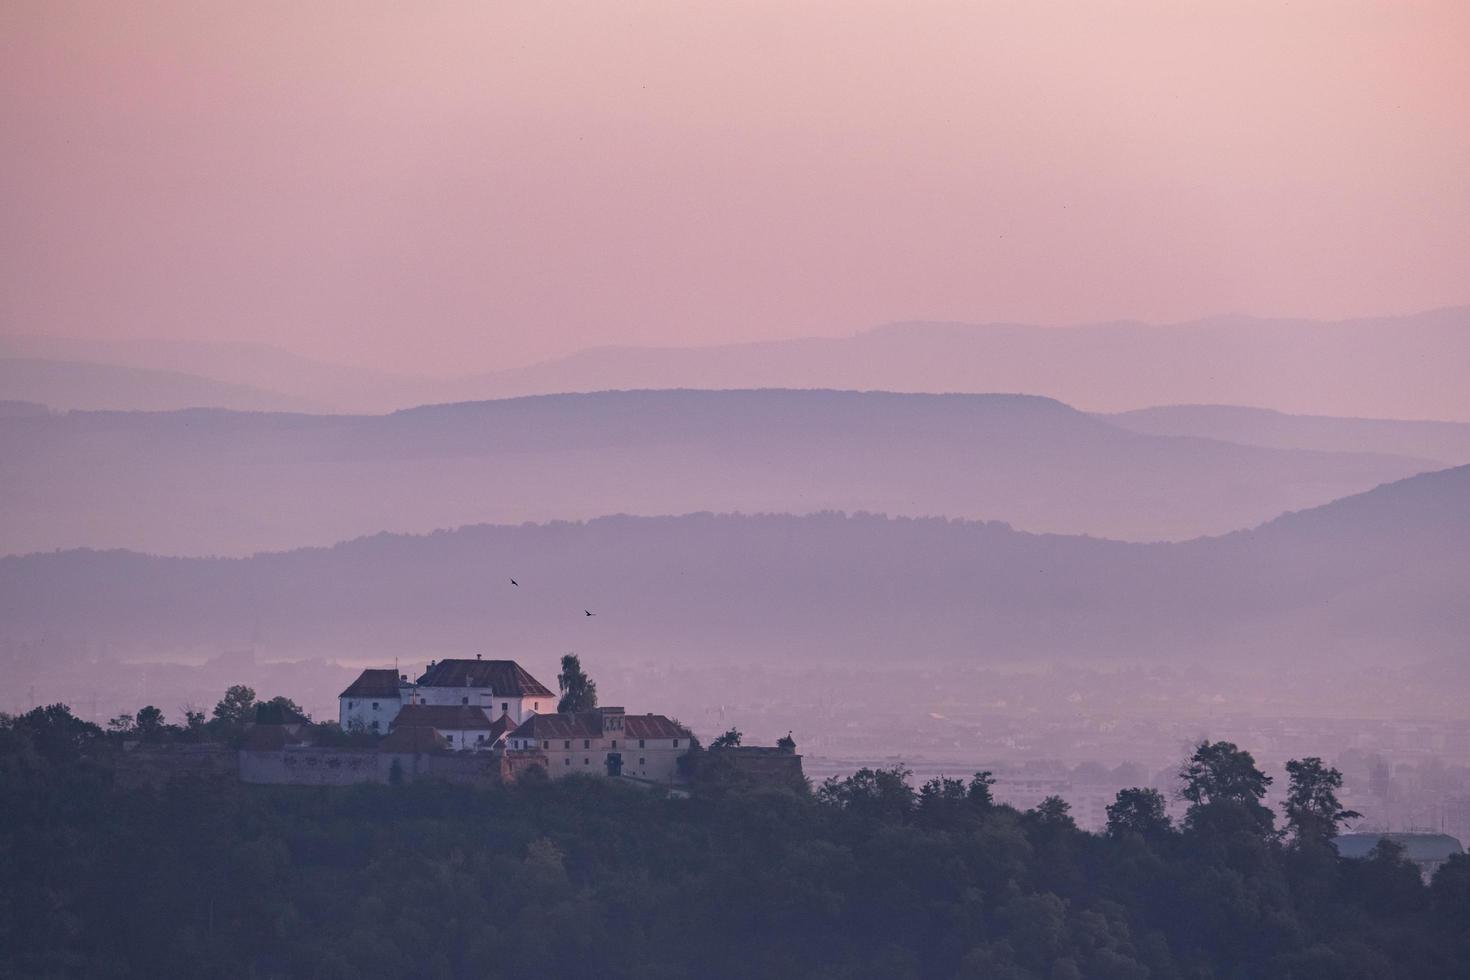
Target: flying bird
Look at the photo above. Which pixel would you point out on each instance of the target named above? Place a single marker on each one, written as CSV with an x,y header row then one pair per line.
x,y
515,583
589,612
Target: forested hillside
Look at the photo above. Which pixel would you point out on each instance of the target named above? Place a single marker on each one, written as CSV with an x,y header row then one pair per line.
x,y
868,877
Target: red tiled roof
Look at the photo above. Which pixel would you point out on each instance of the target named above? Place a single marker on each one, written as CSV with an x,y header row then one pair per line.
x,y
583,724
443,717
412,738
505,677
588,724
373,683
653,726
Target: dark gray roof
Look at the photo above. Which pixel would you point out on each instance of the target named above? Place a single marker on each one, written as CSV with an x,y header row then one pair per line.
x,y
443,717
373,683
589,724
504,677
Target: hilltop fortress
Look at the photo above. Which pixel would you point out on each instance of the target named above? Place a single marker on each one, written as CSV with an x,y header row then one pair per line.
x,y
497,707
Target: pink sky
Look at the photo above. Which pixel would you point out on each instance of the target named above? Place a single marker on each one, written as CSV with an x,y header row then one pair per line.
x,y
453,187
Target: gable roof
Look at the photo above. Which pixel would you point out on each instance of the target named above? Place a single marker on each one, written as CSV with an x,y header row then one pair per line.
x,y
588,724
412,738
582,724
653,726
443,717
373,683
504,677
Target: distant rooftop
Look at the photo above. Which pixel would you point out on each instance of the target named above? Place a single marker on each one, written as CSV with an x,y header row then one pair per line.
x,y
373,683
504,677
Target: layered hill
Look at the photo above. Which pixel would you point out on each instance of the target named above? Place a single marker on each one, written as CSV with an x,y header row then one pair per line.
x,y
1377,577
213,482
1389,367
1445,442
1402,367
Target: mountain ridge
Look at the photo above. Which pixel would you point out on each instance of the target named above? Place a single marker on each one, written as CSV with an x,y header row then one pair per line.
x,y
210,481
1326,585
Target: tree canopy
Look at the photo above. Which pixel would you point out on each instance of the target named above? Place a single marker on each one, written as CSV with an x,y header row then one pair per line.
x,y
578,691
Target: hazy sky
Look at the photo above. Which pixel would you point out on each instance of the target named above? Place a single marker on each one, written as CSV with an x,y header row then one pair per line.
x,y
468,186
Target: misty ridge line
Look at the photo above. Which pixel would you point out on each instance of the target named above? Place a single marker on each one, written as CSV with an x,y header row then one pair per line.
x,y
1113,366
1377,577
213,481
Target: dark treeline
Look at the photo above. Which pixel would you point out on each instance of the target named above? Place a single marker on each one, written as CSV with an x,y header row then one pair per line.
x,y
865,877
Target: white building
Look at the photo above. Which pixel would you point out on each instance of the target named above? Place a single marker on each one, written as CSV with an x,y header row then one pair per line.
x,y
372,702
500,687
605,742
461,726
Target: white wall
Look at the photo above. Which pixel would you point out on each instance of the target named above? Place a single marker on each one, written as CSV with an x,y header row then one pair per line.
x,y
657,759
519,709
357,711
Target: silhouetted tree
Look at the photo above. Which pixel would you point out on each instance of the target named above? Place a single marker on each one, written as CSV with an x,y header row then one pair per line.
x,y
236,707
728,740
149,720
279,710
979,789
881,793
1224,789
578,691
1138,810
1313,812
1053,812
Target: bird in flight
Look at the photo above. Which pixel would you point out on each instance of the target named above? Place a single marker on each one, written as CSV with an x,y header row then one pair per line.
x,y
515,583
589,612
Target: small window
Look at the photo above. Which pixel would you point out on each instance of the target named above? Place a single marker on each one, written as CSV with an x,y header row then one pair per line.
x,y
351,705
464,700
641,745
642,761
535,705
505,707
375,706
567,744
614,743
676,743
586,743
375,725
586,762
566,762
546,745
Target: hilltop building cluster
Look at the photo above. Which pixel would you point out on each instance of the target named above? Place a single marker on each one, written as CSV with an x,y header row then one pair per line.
x,y
496,706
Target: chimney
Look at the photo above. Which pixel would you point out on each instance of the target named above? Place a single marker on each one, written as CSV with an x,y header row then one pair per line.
x,y
477,656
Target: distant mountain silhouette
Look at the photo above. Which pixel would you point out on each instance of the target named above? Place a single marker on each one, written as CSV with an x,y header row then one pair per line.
x,y
1378,577
1390,367
1445,442
206,375
212,482
82,385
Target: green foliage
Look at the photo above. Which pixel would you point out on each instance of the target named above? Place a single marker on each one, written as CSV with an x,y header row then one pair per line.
x,y
1313,814
1225,790
584,877
578,691
236,707
279,710
1138,811
149,721
728,740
